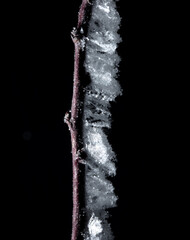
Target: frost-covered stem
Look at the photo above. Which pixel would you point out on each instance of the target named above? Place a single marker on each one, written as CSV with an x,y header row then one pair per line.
x,y
73,119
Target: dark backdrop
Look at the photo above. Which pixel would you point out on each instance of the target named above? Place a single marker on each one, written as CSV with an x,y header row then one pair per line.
x,y
38,179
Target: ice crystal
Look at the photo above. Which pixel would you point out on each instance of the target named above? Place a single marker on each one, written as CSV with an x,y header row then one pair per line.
x,y
101,63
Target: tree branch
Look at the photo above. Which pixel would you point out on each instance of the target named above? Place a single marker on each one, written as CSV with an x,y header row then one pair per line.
x,y
72,118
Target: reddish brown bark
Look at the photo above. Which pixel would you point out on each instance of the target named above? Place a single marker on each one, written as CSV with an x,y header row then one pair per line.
x,y
72,119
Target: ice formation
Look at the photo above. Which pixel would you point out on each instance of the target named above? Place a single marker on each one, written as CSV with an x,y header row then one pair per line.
x,y
101,63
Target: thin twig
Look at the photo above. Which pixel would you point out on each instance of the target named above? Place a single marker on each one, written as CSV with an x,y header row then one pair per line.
x,y
72,118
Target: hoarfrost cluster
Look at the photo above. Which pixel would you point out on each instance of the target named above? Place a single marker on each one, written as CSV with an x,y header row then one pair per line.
x,y
101,63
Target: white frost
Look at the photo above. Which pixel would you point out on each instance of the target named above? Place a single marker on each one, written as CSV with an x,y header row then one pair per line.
x,y
94,226
96,147
106,47
104,8
99,150
101,64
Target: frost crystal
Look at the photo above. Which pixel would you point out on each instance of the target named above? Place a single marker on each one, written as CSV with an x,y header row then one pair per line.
x,y
94,226
101,63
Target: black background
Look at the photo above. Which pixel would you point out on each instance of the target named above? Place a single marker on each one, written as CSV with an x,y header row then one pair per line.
x,y
38,179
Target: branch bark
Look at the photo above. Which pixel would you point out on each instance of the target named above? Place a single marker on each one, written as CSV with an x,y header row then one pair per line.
x,y
71,118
